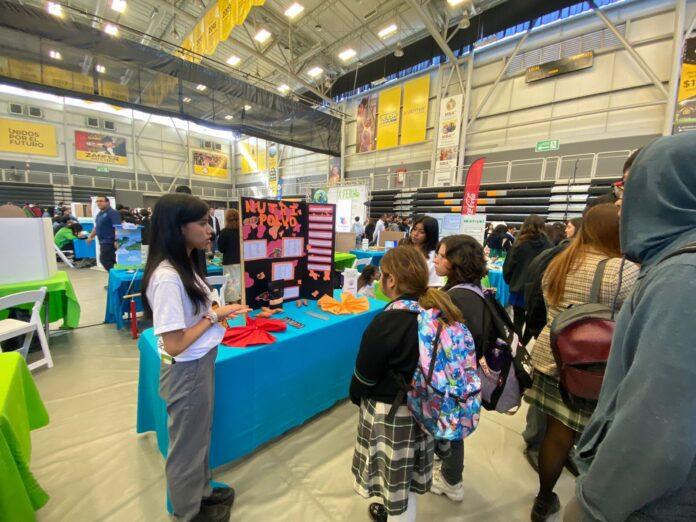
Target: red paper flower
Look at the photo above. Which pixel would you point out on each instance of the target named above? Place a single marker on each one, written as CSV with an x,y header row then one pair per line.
x,y
254,333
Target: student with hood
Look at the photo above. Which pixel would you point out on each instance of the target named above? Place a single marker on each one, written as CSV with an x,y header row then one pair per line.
x,y
638,452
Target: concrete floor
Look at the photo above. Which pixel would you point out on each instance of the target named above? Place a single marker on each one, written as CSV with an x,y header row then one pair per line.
x,y
95,467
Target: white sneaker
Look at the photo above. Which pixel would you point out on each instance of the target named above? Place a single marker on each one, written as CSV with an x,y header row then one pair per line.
x,y
441,487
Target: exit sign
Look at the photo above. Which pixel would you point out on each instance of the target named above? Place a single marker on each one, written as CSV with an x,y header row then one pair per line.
x,y
102,169
547,145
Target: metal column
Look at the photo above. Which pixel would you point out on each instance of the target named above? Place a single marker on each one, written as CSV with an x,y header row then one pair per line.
x,y
459,175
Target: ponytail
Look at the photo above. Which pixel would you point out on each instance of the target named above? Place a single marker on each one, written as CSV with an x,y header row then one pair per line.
x,y
434,298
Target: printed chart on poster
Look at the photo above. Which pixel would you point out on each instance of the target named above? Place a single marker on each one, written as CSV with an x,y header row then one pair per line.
x,y
288,244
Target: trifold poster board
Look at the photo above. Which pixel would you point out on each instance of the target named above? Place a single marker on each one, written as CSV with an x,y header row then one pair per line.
x,y
350,202
451,224
286,243
27,252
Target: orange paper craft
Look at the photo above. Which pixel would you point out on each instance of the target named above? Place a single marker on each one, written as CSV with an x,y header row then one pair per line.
x,y
349,304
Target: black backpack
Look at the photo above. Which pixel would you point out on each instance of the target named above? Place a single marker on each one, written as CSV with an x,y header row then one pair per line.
x,y
535,307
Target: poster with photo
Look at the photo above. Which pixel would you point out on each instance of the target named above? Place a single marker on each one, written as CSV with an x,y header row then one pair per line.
x,y
366,124
210,164
286,243
100,148
129,241
334,171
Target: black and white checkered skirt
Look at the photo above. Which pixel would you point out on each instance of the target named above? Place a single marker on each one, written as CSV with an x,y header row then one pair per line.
x,y
391,458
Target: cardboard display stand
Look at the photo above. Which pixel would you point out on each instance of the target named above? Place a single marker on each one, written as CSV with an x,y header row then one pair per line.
x,y
390,235
287,243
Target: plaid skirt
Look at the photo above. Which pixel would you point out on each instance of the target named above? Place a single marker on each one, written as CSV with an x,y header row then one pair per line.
x,y
545,395
391,458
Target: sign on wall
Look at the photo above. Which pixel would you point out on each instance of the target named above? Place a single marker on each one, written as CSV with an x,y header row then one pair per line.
x,y
449,129
547,145
573,63
100,148
346,213
366,121
210,164
389,112
415,113
24,137
685,117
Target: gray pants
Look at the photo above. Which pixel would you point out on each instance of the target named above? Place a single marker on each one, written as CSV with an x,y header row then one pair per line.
x,y
188,389
453,464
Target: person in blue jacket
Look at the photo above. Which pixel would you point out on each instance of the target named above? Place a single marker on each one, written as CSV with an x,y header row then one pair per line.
x,y
637,455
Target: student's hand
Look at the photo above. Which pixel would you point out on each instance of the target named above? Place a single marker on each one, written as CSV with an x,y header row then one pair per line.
x,y
90,239
231,310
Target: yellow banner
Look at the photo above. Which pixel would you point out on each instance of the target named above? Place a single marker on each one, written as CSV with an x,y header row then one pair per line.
x,y
415,118
389,112
57,77
687,84
199,42
210,164
27,71
113,90
249,152
226,24
24,137
212,30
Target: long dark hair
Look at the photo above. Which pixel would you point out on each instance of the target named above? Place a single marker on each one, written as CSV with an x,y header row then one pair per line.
x,y
367,276
432,234
532,228
465,254
167,243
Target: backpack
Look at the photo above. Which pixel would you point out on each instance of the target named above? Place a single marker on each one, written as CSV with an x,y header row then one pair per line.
x,y
534,304
444,396
508,361
580,341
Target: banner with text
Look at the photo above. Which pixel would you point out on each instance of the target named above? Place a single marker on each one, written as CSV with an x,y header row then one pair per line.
x,y
365,126
685,117
100,148
22,137
415,116
472,186
210,164
449,128
389,113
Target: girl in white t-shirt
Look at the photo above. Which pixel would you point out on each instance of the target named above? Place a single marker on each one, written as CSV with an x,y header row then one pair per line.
x,y
425,235
188,332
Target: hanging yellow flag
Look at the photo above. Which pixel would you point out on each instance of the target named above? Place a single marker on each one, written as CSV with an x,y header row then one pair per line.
x,y
415,114
212,30
388,110
199,42
226,24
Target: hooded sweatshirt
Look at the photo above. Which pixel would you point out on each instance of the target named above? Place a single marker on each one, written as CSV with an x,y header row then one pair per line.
x,y
637,454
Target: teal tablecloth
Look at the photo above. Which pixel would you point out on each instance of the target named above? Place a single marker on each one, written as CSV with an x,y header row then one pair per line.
x,y
261,392
120,285
376,255
495,280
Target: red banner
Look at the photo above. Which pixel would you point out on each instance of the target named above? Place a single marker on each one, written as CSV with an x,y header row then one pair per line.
x,y
471,189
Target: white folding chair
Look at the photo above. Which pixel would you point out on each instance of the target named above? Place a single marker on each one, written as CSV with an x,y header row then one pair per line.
x,y
10,328
220,281
362,263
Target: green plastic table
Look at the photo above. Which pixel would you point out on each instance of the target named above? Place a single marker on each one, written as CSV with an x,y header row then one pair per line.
x,y
60,298
343,260
21,410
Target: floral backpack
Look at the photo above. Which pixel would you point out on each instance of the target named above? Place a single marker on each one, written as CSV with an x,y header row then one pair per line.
x,y
444,396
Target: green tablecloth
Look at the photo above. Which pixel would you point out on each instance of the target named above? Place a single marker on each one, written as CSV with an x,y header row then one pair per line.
x,y
62,301
343,260
21,411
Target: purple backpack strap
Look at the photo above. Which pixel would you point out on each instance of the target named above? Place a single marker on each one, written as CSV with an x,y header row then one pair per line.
x,y
476,289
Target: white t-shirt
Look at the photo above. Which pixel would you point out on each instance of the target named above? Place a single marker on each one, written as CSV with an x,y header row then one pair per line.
x,y
172,310
379,228
434,279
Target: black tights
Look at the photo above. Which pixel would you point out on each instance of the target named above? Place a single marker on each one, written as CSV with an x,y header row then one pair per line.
x,y
518,318
555,448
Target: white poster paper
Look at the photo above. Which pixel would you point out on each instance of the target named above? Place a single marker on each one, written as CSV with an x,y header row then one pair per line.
x,y
474,226
344,215
357,196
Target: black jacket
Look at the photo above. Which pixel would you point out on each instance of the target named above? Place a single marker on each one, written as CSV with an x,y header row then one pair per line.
x,y
389,345
228,244
519,258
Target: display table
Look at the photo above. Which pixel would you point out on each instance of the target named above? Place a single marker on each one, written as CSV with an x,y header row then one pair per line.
x,y
495,280
262,392
119,284
376,255
60,298
21,411
343,260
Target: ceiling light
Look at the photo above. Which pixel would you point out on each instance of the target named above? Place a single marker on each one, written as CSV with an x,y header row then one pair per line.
x,y
155,12
100,69
247,108
347,54
233,60
186,99
55,9
55,55
318,28
390,29
118,5
111,29
201,87
295,9
315,71
262,36
454,3
229,117
465,23
284,88
399,51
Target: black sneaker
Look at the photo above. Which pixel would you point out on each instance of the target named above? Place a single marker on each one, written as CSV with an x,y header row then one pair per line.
x,y
222,496
214,513
543,509
378,512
